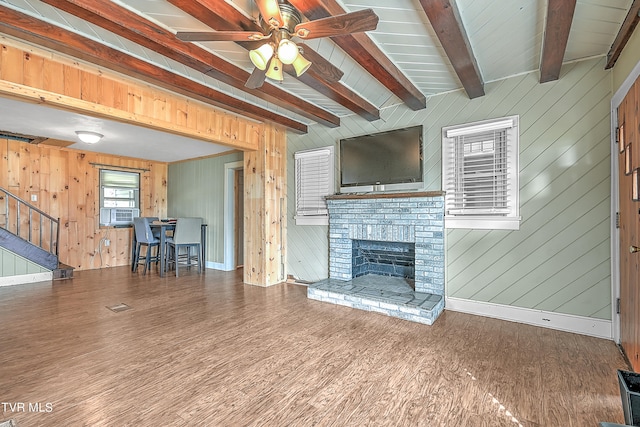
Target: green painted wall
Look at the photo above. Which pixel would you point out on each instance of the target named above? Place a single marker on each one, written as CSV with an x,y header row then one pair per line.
x,y
15,265
196,188
559,260
628,59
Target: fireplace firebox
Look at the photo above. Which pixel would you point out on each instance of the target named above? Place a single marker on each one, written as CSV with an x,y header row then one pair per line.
x,y
383,258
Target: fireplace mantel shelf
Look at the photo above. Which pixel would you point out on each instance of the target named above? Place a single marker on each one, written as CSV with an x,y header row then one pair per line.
x,y
385,195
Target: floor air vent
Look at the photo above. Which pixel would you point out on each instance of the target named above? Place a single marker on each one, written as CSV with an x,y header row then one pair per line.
x,y
119,307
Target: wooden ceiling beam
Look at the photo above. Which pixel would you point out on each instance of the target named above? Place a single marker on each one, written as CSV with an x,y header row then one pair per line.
x,y
556,35
366,53
446,22
131,26
32,30
221,16
626,29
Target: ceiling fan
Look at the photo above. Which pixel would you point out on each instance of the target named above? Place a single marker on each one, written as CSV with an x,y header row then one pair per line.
x,y
282,27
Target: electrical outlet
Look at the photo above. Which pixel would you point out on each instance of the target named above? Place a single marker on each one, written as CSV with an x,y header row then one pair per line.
x,y
107,242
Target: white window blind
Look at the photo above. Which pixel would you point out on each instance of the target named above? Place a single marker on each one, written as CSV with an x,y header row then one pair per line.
x,y
480,174
314,173
119,189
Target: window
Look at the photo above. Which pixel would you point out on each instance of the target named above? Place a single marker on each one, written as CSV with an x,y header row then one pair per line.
x,y
480,174
314,170
119,189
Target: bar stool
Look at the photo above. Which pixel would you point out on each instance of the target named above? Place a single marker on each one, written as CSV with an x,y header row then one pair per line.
x,y
186,236
144,237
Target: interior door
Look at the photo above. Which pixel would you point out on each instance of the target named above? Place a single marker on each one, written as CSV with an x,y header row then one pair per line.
x,y
629,223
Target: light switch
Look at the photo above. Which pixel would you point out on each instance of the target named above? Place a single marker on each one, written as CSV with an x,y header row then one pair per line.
x,y
34,197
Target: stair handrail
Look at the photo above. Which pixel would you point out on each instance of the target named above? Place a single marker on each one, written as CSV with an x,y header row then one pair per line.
x,y
53,244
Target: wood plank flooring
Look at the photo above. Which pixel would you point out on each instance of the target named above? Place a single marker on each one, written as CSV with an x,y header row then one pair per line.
x,y
206,350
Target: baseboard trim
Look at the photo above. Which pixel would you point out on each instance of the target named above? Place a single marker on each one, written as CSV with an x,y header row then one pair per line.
x,y
26,278
564,322
215,265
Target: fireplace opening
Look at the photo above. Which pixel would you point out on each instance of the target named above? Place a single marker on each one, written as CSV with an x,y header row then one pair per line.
x,y
395,259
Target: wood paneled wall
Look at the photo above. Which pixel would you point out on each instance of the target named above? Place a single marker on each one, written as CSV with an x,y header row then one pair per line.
x,y
32,74
559,260
14,265
197,188
265,207
35,75
66,185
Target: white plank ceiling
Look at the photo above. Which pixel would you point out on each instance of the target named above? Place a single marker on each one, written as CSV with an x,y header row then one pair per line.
x,y
505,36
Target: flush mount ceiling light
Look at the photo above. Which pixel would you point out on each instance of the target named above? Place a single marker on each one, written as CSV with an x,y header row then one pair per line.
x,y
282,32
89,137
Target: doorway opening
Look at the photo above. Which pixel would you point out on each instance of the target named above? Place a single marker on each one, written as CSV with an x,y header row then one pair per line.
x,y
233,215
238,222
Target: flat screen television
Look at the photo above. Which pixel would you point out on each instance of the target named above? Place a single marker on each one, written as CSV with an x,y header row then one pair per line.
x,y
385,161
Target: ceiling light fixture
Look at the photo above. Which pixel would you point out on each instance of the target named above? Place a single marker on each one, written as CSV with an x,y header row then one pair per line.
x,y
89,137
260,57
286,53
300,64
281,28
275,70
279,49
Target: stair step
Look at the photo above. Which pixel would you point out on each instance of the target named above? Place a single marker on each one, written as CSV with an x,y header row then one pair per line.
x,y
63,272
28,250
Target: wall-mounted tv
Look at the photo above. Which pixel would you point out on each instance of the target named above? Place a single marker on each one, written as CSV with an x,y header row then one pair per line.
x,y
385,161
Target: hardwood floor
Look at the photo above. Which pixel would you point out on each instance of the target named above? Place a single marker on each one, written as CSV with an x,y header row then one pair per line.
x,y
206,350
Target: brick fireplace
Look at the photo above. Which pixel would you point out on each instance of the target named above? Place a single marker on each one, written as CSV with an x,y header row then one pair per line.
x,y
399,236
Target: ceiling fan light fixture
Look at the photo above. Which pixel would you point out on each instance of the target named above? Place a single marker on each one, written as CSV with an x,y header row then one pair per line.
x,y
89,137
260,57
287,51
301,64
275,70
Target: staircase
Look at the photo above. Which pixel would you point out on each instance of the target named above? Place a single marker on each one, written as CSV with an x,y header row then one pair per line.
x,y
31,233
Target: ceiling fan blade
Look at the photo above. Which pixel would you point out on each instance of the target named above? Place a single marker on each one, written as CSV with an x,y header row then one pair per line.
x,y
354,22
208,36
270,12
256,79
321,67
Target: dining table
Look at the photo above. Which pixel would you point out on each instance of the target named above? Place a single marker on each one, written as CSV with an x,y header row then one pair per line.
x,y
161,227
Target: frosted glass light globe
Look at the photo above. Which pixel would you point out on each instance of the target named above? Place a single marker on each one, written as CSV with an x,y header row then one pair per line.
x,y
261,56
287,51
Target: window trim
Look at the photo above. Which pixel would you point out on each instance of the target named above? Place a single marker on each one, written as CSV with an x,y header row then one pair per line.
x,y
483,221
118,216
321,218
136,198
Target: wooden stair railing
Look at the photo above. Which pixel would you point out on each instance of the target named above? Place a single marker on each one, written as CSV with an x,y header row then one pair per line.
x,y
29,223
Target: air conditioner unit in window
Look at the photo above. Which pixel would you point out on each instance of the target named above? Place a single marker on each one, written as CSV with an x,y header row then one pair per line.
x,y
118,216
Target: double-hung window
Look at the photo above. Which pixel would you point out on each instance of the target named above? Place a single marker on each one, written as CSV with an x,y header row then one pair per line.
x,y
119,189
480,174
314,174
